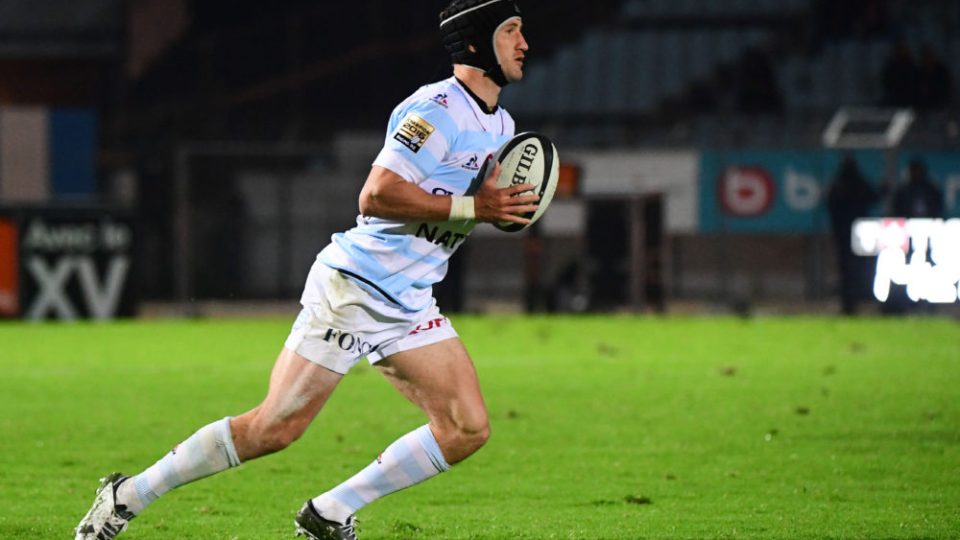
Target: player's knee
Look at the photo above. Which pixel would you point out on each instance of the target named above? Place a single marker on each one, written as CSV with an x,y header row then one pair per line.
x,y
466,437
477,428
479,437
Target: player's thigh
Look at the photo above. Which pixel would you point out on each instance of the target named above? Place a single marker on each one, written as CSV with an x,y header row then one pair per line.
x,y
298,387
441,379
298,390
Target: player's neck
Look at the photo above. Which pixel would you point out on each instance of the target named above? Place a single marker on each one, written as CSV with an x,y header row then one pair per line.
x,y
478,83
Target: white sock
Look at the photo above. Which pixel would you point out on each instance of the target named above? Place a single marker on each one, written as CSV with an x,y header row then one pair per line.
x,y
208,451
410,460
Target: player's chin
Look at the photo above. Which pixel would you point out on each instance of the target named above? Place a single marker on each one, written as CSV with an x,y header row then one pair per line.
x,y
515,75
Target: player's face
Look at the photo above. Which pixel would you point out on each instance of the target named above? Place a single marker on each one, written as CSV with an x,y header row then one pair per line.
x,y
511,49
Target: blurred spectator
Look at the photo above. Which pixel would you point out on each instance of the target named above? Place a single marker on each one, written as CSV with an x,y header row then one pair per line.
x,y
899,77
849,197
568,293
919,197
832,19
871,19
757,88
935,83
701,98
842,19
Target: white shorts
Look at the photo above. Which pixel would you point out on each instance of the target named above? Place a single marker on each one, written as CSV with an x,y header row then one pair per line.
x,y
343,321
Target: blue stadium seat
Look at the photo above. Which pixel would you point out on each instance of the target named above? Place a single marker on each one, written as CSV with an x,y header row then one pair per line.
x,y
567,93
846,66
728,45
527,98
662,8
641,72
701,54
685,8
595,71
754,37
736,8
952,61
824,86
876,54
615,86
793,6
671,63
635,9
790,76
514,98
931,31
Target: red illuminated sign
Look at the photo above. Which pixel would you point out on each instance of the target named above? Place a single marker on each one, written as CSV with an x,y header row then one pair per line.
x,y
9,263
746,191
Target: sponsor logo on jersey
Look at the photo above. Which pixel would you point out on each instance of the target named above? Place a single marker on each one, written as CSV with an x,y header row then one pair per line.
x,y
472,164
439,236
440,99
414,132
349,342
432,324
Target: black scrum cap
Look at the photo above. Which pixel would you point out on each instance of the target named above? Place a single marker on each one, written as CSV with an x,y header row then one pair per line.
x,y
474,22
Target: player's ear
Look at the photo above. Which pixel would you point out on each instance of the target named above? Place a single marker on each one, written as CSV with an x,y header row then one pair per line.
x,y
472,49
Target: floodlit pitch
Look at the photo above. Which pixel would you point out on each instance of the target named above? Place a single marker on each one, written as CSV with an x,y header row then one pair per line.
x,y
603,427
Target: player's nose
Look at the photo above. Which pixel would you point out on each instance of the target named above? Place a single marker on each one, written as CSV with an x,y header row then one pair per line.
x,y
522,44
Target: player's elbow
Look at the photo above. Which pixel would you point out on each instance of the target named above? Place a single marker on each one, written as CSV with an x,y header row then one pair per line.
x,y
374,200
382,191
369,201
365,203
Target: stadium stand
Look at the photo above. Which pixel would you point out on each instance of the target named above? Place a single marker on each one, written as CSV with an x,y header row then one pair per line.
x,y
660,53
652,61
624,74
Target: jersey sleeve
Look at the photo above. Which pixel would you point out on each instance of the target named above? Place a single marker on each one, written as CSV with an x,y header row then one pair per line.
x,y
419,136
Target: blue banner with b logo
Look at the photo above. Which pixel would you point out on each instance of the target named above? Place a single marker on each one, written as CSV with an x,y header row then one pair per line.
x,y
784,191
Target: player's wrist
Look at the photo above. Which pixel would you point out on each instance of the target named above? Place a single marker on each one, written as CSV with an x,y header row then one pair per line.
x,y
462,208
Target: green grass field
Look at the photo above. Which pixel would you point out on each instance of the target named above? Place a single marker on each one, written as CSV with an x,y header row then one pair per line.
x,y
603,427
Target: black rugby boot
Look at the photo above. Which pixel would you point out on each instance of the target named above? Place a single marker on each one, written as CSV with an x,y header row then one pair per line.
x,y
312,525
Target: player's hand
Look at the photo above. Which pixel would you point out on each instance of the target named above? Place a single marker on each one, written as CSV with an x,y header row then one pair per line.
x,y
493,204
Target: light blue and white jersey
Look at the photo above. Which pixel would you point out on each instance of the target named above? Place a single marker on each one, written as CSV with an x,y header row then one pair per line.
x,y
437,139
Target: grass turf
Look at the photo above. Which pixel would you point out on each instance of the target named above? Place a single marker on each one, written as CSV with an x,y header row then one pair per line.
x,y
603,427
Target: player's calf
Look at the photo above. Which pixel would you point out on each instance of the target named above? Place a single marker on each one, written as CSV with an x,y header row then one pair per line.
x,y
258,434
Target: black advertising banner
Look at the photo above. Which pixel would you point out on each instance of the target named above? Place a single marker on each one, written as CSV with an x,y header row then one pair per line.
x,y
66,264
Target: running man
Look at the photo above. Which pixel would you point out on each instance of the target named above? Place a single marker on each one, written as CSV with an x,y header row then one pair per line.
x,y
369,294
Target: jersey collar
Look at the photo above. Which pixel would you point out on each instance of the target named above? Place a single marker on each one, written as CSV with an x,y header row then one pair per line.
x,y
483,106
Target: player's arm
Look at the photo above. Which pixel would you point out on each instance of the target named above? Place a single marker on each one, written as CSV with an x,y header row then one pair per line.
x,y
388,195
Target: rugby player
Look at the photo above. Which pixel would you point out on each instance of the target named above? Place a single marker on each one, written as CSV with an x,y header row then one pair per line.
x,y
369,294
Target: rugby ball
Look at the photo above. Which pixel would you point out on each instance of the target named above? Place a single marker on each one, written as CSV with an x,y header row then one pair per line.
x,y
528,158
